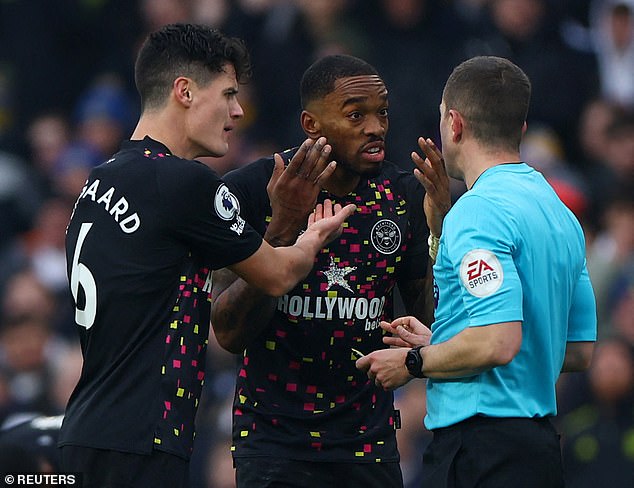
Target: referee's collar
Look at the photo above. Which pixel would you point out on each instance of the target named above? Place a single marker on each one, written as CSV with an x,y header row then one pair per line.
x,y
513,167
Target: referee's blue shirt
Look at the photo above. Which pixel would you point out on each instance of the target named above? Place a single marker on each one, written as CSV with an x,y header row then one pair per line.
x,y
510,251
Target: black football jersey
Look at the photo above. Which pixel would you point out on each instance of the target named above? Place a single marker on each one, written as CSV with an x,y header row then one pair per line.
x,y
298,392
146,232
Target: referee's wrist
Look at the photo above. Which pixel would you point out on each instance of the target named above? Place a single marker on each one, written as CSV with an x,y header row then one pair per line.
x,y
433,242
414,362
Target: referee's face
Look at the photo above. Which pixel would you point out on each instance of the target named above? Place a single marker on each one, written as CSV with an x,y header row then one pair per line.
x,y
354,119
213,113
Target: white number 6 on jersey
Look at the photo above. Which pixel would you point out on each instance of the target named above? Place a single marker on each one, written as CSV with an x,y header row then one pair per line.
x,y
81,275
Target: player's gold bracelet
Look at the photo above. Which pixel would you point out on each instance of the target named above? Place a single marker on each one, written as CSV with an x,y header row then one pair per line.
x,y
432,242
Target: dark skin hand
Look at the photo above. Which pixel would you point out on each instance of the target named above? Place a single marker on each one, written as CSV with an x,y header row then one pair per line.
x,y
293,190
431,173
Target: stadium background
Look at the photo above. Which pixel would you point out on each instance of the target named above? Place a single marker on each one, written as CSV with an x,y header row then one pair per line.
x,y
67,98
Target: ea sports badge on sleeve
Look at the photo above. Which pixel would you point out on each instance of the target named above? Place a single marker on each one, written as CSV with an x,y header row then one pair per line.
x,y
481,272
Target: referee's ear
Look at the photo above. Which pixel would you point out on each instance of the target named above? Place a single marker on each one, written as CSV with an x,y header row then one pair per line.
x,y
457,125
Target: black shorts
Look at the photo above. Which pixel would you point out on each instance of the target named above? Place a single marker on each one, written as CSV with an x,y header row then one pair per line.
x,y
494,453
263,472
102,468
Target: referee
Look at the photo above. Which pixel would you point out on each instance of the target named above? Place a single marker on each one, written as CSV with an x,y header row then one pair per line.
x,y
515,303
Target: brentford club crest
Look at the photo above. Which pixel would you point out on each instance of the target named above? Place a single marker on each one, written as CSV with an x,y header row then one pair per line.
x,y
385,236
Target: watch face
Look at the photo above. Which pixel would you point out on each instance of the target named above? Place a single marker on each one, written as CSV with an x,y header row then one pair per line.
x,y
413,361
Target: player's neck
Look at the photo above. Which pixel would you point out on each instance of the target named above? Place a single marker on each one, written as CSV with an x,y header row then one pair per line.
x,y
155,127
342,182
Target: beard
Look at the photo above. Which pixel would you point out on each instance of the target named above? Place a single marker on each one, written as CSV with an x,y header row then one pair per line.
x,y
372,171
365,171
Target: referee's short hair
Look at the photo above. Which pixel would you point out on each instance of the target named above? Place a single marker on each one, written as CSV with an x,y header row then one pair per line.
x,y
493,95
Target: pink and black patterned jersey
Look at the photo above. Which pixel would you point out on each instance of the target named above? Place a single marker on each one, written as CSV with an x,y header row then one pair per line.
x,y
145,234
298,392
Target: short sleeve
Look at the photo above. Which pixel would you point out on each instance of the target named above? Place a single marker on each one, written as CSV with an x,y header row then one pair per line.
x,y
480,241
249,183
203,212
582,321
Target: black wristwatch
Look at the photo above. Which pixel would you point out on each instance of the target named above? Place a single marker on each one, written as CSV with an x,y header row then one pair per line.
x,y
414,362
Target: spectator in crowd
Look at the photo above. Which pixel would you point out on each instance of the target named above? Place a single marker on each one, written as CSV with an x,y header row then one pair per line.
x,y
26,344
293,35
591,130
48,135
72,168
619,151
42,251
527,33
597,434
426,37
612,27
543,148
44,244
611,176
34,434
610,260
104,115
29,342
19,203
35,439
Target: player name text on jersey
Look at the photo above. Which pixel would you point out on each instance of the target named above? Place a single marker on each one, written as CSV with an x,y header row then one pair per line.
x,y
130,223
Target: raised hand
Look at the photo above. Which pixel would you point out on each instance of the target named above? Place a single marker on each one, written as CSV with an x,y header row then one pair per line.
x,y
293,190
432,174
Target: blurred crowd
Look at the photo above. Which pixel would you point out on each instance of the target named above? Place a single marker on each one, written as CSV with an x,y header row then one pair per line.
x,y
67,99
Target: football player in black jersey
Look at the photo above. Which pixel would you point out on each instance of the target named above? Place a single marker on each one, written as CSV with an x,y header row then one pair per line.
x,y
303,414
148,228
